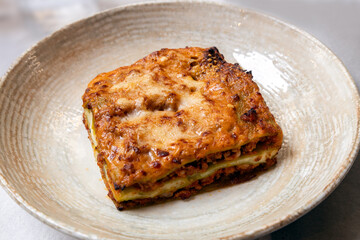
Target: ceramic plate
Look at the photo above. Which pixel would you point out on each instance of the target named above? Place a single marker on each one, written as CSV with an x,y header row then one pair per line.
x,y
46,161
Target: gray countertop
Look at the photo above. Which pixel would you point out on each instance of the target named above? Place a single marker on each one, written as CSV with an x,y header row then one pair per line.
x,y
335,23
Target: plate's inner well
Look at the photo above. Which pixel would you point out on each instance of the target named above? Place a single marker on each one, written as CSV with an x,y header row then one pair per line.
x,y
48,163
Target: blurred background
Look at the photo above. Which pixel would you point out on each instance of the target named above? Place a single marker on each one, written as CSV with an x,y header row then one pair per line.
x,y
336,23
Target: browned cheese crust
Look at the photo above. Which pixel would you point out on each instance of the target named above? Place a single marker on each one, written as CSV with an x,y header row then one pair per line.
x,y
171,108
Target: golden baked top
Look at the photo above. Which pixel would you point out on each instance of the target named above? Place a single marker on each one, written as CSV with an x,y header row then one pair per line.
x,y
173,107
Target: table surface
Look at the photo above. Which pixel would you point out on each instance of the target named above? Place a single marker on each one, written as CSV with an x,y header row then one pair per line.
x,y
336,23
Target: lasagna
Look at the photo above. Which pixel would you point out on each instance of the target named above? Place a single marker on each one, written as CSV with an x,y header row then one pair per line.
x,y
174,122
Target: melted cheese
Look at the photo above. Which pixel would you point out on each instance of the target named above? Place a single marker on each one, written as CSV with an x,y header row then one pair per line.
x,y
139,82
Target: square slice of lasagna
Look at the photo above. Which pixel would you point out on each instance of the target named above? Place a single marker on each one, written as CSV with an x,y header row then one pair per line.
x,y
174,122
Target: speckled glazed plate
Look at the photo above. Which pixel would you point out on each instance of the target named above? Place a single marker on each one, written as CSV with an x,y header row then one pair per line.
x,y
46,161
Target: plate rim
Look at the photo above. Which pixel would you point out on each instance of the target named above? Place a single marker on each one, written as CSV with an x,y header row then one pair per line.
x,y
258,232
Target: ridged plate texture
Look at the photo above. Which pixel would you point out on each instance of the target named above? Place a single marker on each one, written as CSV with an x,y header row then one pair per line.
x,y
47,164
